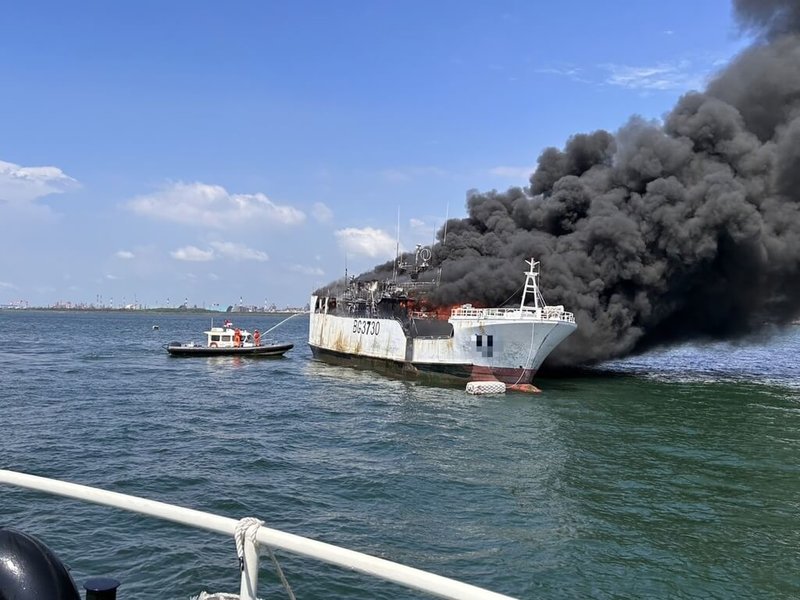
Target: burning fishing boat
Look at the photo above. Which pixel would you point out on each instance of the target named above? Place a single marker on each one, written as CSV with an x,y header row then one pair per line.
x,y
381,326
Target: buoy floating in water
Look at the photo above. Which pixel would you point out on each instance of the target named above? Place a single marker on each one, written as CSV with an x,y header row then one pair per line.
x,y
486,387
525,388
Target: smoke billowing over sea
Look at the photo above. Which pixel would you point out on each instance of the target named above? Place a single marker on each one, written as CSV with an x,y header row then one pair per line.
x,y
659,233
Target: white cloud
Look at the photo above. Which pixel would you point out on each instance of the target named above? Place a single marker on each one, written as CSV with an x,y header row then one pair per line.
x,y
213,206
374,243
26,184
304,270
321,213
422,230
230,250
111,277
569,71
512,172
680,74
193,254
665,76
6,284
124,254
239,251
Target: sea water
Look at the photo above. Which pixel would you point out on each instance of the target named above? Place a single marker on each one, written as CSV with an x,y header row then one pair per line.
x,y
674,475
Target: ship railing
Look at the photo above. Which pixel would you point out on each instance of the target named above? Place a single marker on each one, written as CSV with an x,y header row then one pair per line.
x,y
416,285
557,313
258,536
546,313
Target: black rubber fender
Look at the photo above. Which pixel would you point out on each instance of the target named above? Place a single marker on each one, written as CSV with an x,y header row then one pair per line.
x,y
30,571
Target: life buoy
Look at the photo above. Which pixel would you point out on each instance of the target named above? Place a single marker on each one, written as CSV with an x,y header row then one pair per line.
x,y
212,345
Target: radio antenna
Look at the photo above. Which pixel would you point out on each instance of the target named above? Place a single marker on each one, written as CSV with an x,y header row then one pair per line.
x,y
446,219
397,249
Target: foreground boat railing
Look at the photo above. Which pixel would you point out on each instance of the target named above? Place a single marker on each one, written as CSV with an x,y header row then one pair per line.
x,y
410,577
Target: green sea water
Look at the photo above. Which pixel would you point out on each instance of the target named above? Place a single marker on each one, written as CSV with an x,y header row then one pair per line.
x,y
674,475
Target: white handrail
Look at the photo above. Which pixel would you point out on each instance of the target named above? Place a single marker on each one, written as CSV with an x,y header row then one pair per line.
x,y
436,585
546,313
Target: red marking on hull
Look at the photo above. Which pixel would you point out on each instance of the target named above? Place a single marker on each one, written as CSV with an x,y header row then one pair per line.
x,y
510,377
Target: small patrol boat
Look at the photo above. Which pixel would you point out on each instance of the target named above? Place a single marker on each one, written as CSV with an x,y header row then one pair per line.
x,y
229,341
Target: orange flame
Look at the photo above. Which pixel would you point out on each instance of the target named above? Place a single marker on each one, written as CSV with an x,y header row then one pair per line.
x,y
441,311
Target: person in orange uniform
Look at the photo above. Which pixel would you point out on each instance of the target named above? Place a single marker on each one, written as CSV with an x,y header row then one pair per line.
x,y
257,337
237,338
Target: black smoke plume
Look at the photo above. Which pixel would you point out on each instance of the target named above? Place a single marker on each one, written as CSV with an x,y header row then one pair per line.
x,y
663,232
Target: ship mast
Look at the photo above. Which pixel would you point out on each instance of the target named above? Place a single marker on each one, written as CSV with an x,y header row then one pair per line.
x,y
532,286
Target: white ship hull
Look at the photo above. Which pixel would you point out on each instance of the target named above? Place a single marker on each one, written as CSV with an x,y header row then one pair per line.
x,y
505,345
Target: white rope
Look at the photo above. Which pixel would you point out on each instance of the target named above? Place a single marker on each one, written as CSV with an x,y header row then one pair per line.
x,y
248,526
283,579
245,527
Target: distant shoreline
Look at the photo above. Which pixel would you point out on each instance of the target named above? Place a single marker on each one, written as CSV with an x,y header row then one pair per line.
x,y
151,311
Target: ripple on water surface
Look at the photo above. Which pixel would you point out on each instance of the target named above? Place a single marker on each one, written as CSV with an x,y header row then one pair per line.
x,y
673,475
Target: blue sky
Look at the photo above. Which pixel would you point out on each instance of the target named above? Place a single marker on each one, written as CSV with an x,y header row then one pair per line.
x,y
212,152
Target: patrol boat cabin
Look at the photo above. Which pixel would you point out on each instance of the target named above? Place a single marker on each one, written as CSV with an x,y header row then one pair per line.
x,y
228,337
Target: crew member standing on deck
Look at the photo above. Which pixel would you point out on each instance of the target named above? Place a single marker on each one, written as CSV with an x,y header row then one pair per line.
x,y
257,337
237,338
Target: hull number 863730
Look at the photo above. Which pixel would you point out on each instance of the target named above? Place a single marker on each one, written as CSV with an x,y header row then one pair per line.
x,y
367,327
